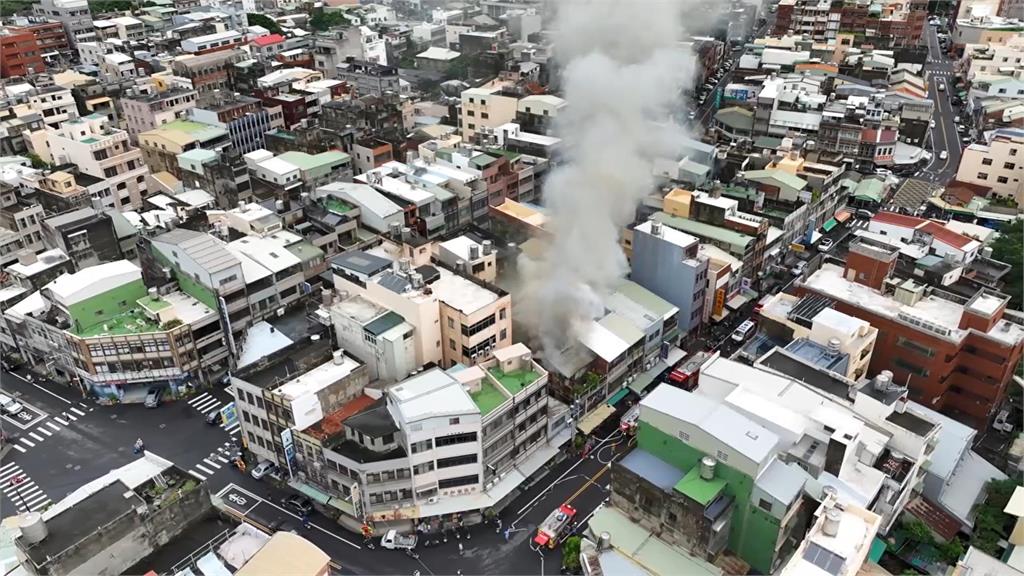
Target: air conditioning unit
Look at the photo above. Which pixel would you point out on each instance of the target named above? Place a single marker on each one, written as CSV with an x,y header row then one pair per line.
x,y
280,312
432,500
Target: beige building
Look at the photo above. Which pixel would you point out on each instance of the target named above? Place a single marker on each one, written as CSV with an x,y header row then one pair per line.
x,y
478,257
828,327
997,165
149,111
996,59
485,107
109,167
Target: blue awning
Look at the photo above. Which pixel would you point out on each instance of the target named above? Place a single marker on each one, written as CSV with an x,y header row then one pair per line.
x,y
618,396
829,225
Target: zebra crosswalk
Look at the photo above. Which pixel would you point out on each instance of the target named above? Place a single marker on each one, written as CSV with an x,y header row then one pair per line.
x,y
207,404
46,428
21,490
217,460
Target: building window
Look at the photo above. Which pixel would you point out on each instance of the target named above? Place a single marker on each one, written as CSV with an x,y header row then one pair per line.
x,y
764,505
986,161
460,481
451,343
685,437
1002,179
504,334
456,461
912,368
915,347
722,456
455,439
453,421
982,176
1009,165
451,323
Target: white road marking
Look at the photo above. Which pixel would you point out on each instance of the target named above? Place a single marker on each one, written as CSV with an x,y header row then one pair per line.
x,y
232,427
54,426
77,411
29,492
36,436
38,501
10,473
8,467
204,469
215,465
61,398
211,408
235,431
222,459
26,442
63,423
68,416
197,475
44,431
196,400
19,449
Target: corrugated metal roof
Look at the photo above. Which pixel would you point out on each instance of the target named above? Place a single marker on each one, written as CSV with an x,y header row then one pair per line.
x,y
651,468
384,323
782,481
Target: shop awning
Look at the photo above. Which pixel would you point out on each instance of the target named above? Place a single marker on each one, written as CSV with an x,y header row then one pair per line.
x,y
843,215
737,301
829,225
313,494
618,396
595,418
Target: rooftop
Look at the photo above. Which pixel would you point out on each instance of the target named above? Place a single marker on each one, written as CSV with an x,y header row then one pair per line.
x,y
695,487
488,397
430,394
701,230
514,382
318,378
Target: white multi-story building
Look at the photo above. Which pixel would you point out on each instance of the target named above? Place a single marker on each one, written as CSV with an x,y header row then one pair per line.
x,y
54,104
485,107
996,164
150,111
108,166
378,336
125,28
73,14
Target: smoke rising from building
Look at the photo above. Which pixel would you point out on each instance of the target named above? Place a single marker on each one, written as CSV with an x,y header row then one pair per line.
x,y
623,69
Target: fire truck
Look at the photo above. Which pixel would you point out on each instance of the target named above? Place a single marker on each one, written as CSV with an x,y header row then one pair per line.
x,y
554,525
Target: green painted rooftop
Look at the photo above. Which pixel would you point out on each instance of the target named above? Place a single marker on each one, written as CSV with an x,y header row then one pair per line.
x,y
702,230
197,130
305,251
781,176
337,205
133,321
698,489
89,140
153,305
514,382
481,160
310,161
487,398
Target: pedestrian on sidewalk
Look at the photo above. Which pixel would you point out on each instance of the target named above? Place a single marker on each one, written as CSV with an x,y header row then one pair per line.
x,y
460,549
498,529
508,531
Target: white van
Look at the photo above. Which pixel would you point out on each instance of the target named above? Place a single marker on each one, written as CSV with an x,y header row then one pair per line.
x,y
9,405
743,331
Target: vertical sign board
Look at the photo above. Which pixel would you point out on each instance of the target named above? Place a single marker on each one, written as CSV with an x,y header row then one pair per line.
x,y
289,449
228,414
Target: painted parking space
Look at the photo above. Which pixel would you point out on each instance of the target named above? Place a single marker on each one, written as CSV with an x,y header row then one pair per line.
x,y
27,417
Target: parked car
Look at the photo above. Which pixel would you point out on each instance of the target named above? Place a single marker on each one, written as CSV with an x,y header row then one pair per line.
x,y
956,120
154,397
283,525
865,214
262,469
743,331
9,405
691,115
298,504
798,268
943,155
214,418
932,123
392,540
825,244
940,86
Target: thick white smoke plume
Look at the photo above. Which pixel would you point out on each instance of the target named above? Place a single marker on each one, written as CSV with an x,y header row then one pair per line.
x,y
624,68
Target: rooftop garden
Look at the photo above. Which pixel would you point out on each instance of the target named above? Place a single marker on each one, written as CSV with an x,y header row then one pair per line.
x,y
336,205
133,321
514,381
487,398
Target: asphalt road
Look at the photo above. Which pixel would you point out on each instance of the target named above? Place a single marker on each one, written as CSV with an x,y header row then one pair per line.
x,y
944,136
81,441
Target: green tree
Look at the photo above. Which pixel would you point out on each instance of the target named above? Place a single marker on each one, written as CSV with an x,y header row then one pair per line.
x,y
1009,248
11,7
263,20
37,162
991,523
458,69
571,553
951,551
323,21
917,531
104,6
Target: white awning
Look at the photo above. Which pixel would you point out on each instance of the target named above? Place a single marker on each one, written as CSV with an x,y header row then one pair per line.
x,y
595,418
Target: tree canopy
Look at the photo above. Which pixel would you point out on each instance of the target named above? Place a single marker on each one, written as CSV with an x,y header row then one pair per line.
x,y
324,21
1009,248
263,20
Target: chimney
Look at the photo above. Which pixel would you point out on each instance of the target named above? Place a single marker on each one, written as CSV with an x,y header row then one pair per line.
x,y
488,247
474,253
655,228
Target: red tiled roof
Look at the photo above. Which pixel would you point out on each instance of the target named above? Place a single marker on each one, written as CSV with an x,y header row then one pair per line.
x,y
268,40
331,423
944,524
945,235
898,219
964,192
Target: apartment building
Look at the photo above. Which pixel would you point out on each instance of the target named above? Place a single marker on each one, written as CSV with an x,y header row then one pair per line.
x,y
985,29
889,24
537,112
19,53
438,443
216,42
124,28
222,174
209,73
74,15
371,153
294,172
367,78
12,125
667,262
458,319
273,405
161,146
146,112
90,237
23,217
848,339
381,337
55,104
476,256
920,237
739,462
485,107
955,354
102,329
114,171
996,164
245,119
